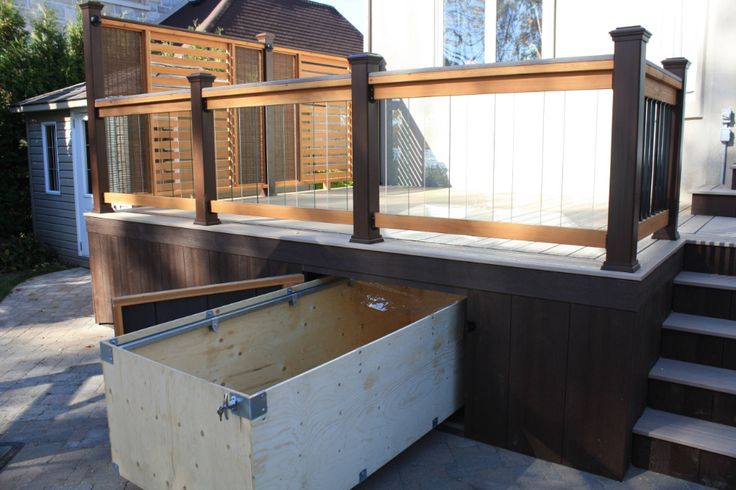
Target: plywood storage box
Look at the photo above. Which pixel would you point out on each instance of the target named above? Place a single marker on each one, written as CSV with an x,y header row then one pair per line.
x,y
316,386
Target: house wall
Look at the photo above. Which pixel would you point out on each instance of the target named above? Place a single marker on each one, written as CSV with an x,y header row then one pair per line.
x,y
701,31
54,216
152,11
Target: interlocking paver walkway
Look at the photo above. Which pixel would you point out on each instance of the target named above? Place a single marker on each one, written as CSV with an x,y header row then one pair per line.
x,y
52,401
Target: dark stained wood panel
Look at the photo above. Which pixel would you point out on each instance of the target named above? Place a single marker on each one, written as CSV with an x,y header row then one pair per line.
x,y
600,386
710,259
486,367
537,372
702,301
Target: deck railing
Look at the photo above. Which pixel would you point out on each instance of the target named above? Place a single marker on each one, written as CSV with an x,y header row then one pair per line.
x,y
347,155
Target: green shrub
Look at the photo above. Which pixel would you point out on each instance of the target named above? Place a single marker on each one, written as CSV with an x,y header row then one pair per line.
x,y
31,63
25,252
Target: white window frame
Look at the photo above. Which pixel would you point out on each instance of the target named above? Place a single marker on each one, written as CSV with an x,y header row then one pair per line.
x,y
44,145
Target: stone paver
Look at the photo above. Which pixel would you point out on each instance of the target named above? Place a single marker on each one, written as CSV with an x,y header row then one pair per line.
x,y
52,400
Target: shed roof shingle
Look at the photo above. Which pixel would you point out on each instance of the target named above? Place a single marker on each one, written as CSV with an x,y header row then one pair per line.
x,y
299,24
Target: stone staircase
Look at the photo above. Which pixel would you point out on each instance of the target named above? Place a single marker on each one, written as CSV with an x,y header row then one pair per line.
x,y
688,429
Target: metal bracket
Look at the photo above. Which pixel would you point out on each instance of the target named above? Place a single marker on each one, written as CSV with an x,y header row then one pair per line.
x,y
362,475
292,296
435,423
371,94
214,321
106,351
252,407
243,406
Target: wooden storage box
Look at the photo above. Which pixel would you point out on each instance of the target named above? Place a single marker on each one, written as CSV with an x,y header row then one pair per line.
x,y
325,383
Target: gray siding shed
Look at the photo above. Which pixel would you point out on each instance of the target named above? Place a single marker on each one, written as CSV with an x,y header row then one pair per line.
x,y
54,215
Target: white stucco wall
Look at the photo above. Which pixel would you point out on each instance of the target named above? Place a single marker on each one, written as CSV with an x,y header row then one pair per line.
x,y
700,30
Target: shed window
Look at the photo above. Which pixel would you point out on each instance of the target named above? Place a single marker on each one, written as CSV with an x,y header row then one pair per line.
x,y
50,158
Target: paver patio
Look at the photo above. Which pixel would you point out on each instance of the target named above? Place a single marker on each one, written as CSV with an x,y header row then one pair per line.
x,y
52,401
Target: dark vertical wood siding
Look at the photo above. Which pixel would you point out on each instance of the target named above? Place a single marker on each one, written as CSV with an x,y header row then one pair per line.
x,y
556,364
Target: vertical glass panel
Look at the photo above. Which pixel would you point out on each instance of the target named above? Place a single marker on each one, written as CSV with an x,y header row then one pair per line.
x,y
530,158
518,30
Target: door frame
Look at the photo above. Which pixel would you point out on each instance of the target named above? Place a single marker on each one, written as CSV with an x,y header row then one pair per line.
x,y
79,166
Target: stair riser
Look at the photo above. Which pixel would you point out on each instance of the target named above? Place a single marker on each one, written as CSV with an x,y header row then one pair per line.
x,y
693,402
696,300
699,349
684,462
710,259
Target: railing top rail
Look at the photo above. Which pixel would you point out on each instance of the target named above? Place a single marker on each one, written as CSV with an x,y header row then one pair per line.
x,y
275,86
532,67
664,76
149,98
330,88
184,35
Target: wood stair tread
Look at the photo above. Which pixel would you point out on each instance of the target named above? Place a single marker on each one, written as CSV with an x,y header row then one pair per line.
x,y
696,375
700,279
695,433
704,325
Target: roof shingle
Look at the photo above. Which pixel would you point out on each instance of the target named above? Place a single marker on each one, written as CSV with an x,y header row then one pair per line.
x,y
298,24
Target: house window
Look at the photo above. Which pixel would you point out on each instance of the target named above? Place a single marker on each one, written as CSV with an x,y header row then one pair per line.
x,y
88,173
50,158
518,30
464,32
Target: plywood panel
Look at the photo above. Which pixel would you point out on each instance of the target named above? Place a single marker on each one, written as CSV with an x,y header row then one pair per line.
x,y
355,413
186,445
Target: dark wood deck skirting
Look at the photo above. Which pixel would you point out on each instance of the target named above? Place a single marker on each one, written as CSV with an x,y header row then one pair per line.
x,y
556,362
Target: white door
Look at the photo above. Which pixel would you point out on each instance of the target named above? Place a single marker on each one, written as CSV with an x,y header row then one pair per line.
x,y
82,179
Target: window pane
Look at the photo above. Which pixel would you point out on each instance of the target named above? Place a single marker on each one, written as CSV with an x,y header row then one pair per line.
x,y
88,183
51,159
464,37
518,30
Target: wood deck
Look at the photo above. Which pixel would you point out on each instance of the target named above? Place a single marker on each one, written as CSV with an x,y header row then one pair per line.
x,y
526,300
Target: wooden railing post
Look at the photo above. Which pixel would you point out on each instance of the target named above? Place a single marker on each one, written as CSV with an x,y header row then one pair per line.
x,y
678,67
267,38
95,86
203,151
366,148
627,144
